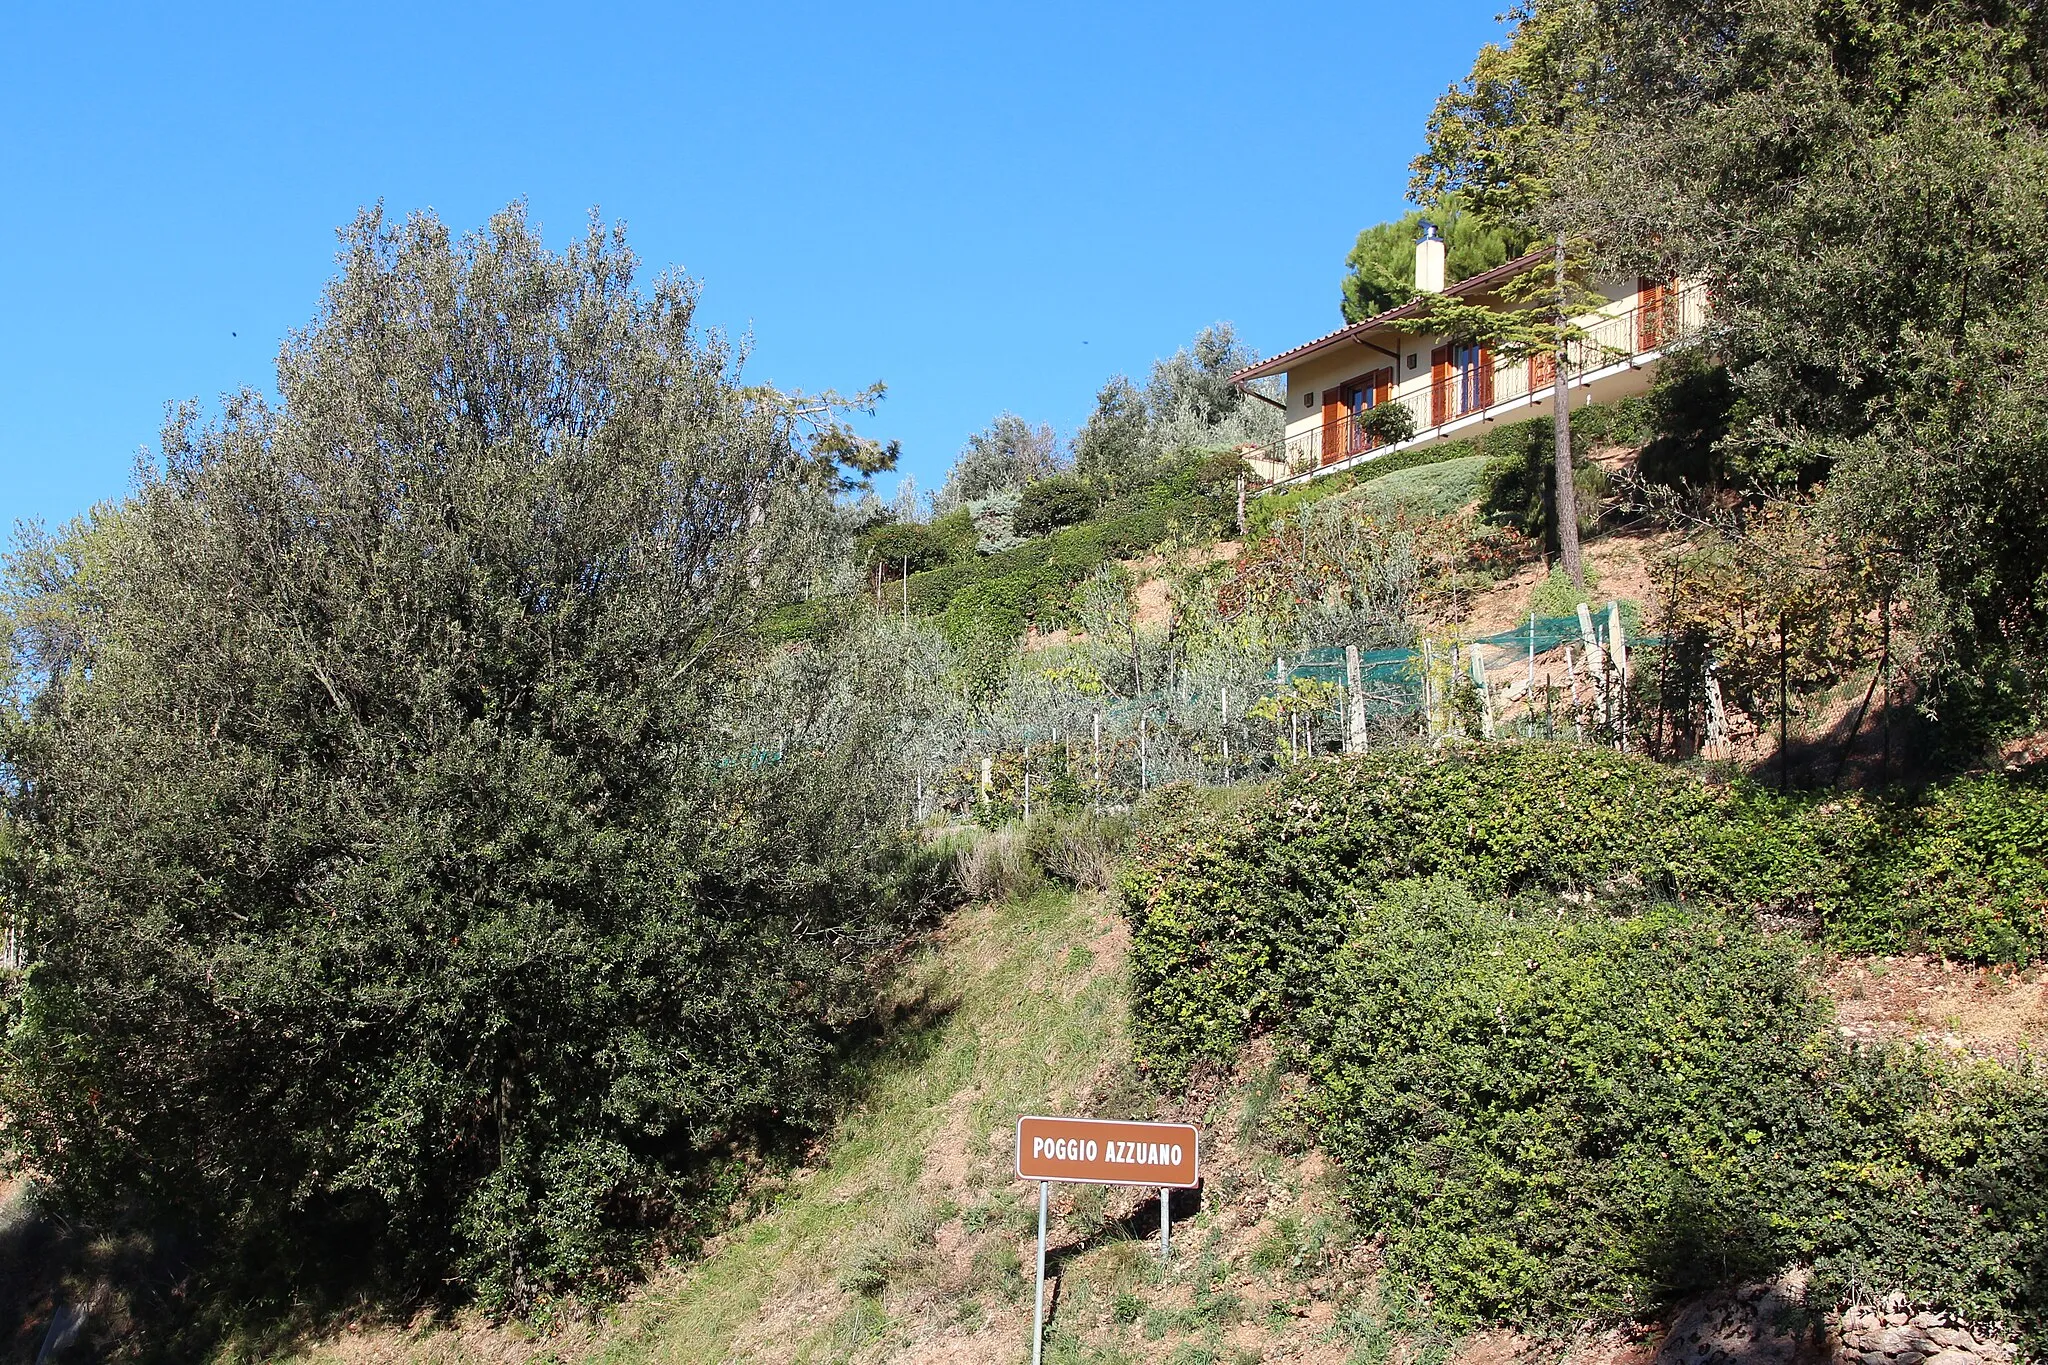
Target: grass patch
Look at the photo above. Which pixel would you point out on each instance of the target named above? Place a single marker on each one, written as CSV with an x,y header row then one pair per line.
x,y
1023,1032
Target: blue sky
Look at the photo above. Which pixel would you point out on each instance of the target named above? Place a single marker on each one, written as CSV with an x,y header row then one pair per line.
x,y
988,208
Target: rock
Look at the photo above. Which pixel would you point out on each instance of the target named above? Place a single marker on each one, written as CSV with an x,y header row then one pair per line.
x,y
1930,1320
1908,1357
1743,1326
1953,1358
1896,1319
1952,1336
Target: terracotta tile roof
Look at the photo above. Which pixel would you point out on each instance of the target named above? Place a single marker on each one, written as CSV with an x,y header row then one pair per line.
x,y
1357,330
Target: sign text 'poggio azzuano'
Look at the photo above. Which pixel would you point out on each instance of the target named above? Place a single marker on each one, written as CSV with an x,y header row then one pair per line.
x,y
1162,1156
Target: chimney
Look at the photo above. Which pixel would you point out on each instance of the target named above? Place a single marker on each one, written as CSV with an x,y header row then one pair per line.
x,y
1429,261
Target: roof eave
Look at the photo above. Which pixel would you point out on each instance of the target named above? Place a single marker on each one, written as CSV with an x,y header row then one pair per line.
x,y
1358,331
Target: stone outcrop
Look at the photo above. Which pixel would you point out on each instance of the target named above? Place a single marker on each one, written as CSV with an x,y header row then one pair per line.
x,y
1892,1334
1758,1324
1771,1324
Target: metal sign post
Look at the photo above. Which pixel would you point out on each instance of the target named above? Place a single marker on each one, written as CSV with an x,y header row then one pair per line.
x,y
1165,1222
1038,1306
1164,1156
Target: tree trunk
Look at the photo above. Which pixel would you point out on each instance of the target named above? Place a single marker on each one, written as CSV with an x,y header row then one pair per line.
x,y
1566,500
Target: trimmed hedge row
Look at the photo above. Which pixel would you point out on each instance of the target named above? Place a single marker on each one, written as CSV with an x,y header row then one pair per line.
x,y
1236,913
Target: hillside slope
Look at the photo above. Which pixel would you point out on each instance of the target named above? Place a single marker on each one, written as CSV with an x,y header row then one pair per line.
x,y
910,1240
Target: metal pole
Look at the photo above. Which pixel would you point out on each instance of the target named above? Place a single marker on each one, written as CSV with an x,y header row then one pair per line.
x,y
1038,1308
1784,748
1165,1224
1027,798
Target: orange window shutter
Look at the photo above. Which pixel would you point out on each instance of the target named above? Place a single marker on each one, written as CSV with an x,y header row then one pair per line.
x,y
1542,371
1439,386
1485,385
1650,298
1333,426
1383,385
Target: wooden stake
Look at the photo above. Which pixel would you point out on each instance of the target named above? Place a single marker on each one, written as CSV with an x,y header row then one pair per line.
x,y
1354,701
1098,760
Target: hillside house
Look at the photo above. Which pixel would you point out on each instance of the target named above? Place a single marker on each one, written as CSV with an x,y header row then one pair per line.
x,y
1453,390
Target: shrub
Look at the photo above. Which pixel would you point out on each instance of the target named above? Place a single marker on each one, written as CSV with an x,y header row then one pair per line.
x,y
1053,503
995,522
1691,407
954,533
1434,490
1235,913
996,865
1389,423
1081,850
1558,1111
1557,595
1518,487
990,599
902,541
1562,1115
1960,869
1623,422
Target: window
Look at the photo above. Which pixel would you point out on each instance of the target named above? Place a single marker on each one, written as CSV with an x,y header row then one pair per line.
x,y
1473,382
1359,397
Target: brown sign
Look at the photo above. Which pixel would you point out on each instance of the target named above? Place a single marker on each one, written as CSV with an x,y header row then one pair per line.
x,y
1106,1152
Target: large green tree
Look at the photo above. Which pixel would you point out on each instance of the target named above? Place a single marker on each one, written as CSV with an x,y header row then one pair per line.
x,y
1508,140
1864,188
424,869
1379,271
1006,456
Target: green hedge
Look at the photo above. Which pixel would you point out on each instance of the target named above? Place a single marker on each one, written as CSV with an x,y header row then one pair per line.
x,y
999,594
1557,1116
1434,490
1269,508
1563,1080
1236,913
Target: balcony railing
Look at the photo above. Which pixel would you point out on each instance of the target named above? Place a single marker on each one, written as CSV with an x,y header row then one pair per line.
x,y
1609,339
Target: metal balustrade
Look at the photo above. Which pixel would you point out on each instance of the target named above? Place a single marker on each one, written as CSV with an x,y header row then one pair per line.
x,y
1438,403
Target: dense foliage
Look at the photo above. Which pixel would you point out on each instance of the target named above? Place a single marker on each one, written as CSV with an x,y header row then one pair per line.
x,y
1236,915
1380,268
1864,191
1517,488
996,595
427,872
1560,1113
1053,503
1560,1095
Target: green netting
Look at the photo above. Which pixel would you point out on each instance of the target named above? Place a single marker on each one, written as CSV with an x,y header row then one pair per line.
x,y
1391,680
